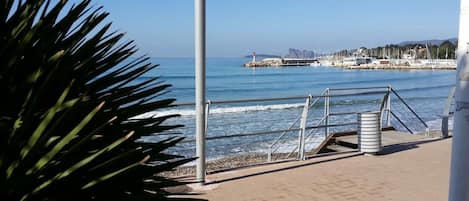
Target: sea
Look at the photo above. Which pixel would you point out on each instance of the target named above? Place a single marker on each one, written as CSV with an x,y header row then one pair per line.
x,y
231,126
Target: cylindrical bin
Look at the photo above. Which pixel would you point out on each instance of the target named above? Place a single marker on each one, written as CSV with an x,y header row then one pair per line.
x,y
369,132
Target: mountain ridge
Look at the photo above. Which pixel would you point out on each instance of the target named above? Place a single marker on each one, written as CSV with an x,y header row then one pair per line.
x,y
430,42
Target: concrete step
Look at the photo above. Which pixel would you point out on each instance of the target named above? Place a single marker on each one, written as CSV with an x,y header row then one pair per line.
x,y
339,148
347,143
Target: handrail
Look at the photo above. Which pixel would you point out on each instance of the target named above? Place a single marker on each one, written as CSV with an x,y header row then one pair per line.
x,y
385,106
357,88
402,123
291,126
312,131
296,121
408,107
310,134
284,98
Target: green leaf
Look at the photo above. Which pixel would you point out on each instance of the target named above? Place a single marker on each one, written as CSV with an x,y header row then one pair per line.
x,y
65,141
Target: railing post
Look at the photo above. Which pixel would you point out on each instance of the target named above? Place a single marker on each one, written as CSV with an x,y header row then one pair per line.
x,y
301,136
388,108
444,127
327,111
269,155
446,114
207,113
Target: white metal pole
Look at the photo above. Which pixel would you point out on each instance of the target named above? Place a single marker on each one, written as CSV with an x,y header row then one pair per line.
x,y
304,119
327,111
459,180
388,108
200,88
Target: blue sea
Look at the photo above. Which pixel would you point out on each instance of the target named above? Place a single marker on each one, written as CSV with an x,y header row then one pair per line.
x,y
425,91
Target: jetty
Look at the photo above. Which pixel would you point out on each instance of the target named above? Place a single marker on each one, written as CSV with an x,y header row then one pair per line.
x,y
277,62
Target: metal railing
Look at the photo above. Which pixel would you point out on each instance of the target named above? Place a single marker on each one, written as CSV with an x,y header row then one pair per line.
x,y
318,116
303,117
324,122
406,106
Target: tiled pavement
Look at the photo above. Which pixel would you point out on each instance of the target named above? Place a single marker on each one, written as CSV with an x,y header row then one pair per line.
x,y
417,171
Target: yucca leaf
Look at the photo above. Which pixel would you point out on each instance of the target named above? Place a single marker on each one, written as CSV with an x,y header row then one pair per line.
x,y
82,163
58,144
38,132
63,142
45,122
110,175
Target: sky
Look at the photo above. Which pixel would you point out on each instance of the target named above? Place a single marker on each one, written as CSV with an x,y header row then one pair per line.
x,y
165,28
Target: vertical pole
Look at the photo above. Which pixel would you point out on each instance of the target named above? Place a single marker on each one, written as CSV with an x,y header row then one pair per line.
x,y
301,138
199,6
326,112
445,119
207,113
388,108
459,179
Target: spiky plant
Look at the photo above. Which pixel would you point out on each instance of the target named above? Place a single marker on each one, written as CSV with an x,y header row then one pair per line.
x,y
68,94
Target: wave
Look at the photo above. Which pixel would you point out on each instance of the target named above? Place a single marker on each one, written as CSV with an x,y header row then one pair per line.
x,y
436,124
254,108
222,110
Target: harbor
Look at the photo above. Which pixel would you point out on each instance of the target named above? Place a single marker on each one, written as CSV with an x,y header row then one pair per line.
x,y
415,58
358,63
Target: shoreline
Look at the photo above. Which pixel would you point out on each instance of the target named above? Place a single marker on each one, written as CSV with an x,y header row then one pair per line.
x,y
229,162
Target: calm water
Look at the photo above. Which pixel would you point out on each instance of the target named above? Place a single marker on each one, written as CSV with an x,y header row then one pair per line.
x,y
426,91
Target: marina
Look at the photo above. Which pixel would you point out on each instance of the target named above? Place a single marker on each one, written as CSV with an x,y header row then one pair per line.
x,y
359,63
363,58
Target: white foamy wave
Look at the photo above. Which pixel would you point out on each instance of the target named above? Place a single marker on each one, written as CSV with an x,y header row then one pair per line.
x,y
436,124
220,110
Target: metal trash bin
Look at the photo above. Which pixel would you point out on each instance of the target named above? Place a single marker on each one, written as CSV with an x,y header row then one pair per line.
x,y
369,132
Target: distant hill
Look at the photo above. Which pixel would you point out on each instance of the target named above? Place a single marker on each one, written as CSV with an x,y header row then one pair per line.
x,y
296,53
432,42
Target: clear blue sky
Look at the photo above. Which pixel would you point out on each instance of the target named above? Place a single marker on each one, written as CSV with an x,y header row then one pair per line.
x,y
164,28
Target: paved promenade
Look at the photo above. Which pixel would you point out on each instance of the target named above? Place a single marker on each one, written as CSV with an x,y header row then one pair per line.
x,y
416,171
